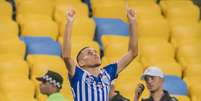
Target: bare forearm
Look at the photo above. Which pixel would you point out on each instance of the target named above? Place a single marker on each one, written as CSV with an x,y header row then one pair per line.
x,y
67,40
133,42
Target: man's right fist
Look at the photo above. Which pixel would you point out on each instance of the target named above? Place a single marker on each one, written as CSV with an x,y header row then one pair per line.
x,y
70,14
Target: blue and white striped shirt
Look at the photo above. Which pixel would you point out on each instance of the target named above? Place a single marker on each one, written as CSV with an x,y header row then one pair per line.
x,y
86,87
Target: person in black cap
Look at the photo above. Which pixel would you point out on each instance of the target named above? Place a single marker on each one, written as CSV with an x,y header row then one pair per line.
x,y
51,84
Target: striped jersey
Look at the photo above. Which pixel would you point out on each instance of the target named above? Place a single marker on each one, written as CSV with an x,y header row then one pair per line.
x,y
86,87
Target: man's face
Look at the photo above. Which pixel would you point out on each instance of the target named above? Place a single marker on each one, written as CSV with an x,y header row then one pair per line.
x,y
45,87
153,83
89,58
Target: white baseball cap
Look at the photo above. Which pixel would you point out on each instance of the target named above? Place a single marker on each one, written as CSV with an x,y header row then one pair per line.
x,y
153,71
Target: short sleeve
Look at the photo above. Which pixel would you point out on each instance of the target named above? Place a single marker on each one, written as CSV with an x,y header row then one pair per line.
x,y
78,75
111,70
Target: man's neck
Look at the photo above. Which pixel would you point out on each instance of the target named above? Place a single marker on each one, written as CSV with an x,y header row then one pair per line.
x,y
94,71
157,95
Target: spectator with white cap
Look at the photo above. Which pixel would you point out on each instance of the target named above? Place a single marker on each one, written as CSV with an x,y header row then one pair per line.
x,y
154,79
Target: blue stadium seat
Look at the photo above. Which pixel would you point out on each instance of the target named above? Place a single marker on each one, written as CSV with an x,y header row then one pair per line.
x,y
105,26
42,45
175,85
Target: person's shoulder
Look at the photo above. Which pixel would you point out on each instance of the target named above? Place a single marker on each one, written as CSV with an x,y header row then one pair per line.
x,y
56,97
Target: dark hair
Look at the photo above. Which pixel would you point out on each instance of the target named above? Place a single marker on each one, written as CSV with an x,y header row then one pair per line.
x,y
80,53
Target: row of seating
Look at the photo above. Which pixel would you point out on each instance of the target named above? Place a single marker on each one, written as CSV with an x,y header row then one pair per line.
x,y
114,46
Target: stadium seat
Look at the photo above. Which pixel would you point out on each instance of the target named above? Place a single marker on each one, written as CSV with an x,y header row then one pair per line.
x,y
12,46
5,9
42,7
80,29
155,48
58,2
192,70
195,91
168,67
40,28
79,43
61,10
189,54
153,28
21,19
183,33
18,88
39,67
13,68
179,88
128,90
194,87
165,4
42,45
8,29
112,43
145,9
106,26
191,13
110,9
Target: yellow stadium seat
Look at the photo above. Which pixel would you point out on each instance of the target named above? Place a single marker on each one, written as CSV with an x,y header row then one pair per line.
x,y
192,70
58,2
144,9
169,68
95,3
42,7
8,29
182,33
114,39
21,99
194,87
5,9
112,43
80,29
192,81
13,68
21,19
153,28
39,66
191,13
128,90
66,91
61,9
36,27
189,54
18,2
12,46
79,43
110,9
195,91
156,48
165,4
18,88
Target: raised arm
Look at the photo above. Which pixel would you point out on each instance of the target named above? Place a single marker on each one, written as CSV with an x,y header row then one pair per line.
x,y
70,64
133,43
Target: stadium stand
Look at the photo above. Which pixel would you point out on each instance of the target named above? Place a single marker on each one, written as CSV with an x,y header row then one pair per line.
x,y
169,37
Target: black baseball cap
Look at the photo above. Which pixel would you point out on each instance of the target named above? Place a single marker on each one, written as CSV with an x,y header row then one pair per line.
x,y
53,78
